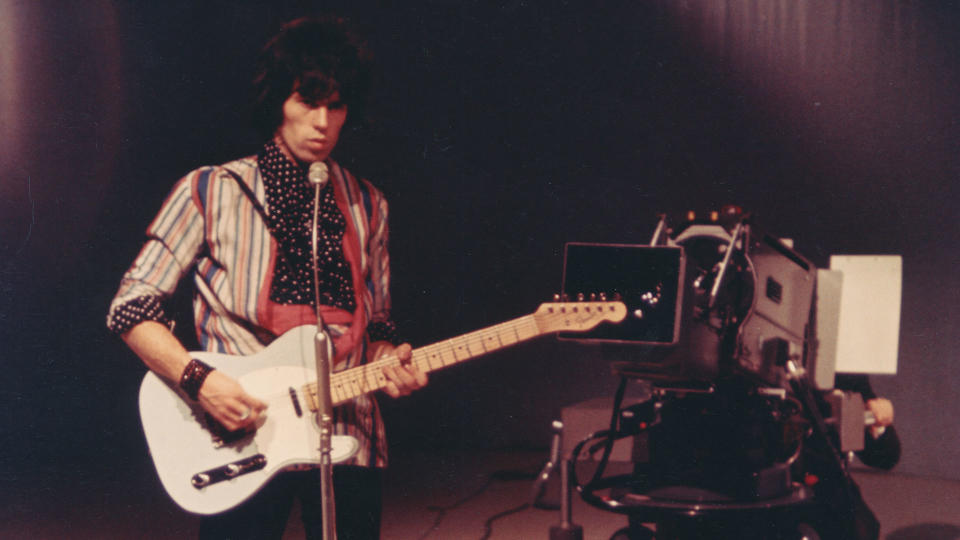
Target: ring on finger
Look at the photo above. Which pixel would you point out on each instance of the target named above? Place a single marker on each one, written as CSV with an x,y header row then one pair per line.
x,y
245,415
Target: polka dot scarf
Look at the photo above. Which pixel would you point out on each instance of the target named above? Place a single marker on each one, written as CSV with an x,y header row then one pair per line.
x,y
290,208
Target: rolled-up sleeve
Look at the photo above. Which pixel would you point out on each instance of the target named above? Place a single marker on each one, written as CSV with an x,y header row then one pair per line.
x,y
174,239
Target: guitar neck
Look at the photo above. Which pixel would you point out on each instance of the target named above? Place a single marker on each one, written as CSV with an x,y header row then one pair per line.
x,y
351,383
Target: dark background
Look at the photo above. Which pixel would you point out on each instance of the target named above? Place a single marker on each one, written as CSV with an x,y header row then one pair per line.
x,y
501,130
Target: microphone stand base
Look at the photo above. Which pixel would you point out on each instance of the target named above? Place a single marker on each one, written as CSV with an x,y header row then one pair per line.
x,y
566,532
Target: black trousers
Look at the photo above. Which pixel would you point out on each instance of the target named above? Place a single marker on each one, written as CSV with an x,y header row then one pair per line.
x,y
357,495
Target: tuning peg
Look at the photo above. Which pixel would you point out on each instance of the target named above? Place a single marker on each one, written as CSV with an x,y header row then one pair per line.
x,y
565,297
556,297
603,297
593,297
617,296
579,297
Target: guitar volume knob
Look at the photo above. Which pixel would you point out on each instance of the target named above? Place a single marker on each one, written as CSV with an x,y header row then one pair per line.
x,y
200,480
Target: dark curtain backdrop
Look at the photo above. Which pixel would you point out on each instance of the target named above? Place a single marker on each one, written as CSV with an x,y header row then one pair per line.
x,y
500,130
865,98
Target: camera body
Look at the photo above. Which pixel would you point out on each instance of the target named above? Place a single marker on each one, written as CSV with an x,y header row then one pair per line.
x,y
708,301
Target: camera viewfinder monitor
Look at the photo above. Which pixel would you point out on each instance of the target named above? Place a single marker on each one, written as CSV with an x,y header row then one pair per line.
x,y
647,279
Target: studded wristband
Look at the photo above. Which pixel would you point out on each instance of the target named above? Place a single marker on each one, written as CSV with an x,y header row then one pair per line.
x,y
193,376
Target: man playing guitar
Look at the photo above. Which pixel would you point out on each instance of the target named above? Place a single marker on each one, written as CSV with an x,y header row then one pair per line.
x,y
243,231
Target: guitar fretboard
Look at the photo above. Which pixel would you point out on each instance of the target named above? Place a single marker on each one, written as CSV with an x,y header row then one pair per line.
x,y
354,382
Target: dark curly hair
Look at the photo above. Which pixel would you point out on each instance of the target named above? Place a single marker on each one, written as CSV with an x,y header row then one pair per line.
x,y
314,56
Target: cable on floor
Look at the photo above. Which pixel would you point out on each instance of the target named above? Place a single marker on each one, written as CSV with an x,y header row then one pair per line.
x,y
488,524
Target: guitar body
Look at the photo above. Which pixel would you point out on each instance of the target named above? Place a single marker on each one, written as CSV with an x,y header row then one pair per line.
x,y
207,472
184,445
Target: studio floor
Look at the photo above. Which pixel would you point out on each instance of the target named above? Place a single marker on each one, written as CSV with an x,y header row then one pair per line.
x,y
428,495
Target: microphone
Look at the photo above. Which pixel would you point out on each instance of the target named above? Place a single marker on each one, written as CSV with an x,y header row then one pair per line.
x,y
318,174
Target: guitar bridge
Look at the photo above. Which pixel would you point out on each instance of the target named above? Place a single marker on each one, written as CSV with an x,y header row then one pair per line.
x,y
228,471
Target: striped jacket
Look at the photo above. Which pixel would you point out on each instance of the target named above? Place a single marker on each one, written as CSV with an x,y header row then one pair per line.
x,y
209,226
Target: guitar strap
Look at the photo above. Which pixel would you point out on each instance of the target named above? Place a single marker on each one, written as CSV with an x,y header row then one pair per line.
x,y
253,198
248,193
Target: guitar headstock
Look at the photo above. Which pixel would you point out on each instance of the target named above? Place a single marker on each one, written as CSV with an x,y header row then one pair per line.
x,y
579,316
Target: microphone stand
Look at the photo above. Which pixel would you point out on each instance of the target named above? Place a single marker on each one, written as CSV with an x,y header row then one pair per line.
x,y
324,349
318,176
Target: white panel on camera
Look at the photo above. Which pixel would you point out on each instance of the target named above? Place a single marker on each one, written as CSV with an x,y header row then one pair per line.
x,y
829,291
869,332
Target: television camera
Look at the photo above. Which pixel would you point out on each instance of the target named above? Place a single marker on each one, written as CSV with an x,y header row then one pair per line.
x,y
733,336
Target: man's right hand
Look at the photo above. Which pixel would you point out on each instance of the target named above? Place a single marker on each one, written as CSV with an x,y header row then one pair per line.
x,y
220,395
228,403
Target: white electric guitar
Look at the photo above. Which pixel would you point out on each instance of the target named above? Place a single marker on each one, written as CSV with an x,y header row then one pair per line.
x,y
207,469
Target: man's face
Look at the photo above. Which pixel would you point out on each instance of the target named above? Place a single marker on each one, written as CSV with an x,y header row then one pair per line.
x,y
310,130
